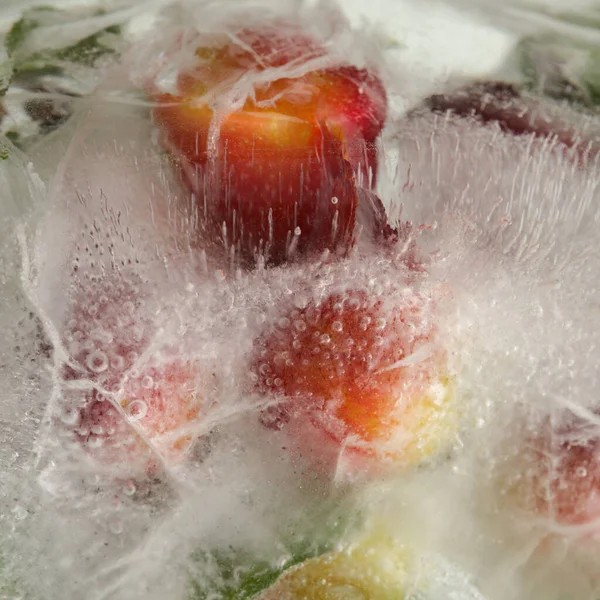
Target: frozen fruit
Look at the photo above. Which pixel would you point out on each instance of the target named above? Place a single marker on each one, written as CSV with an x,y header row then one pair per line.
x,y
154,418
106,331
515,113
124,417
375,568
560,474
270,147
366,370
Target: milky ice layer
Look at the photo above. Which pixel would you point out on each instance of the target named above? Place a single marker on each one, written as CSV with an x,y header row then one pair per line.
x,y
183,423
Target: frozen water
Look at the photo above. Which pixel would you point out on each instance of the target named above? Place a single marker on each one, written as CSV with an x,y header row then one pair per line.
x,y
110,301
25,349
511,223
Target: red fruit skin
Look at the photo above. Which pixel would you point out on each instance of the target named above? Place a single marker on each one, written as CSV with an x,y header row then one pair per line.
x,y
279,179
279,206
274,46
107,333
502,103
564,481
356,107
336,368
164,404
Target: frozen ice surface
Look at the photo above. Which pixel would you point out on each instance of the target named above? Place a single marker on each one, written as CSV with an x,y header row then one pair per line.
x,y
516,216
24,349
112,272
511,223
105,261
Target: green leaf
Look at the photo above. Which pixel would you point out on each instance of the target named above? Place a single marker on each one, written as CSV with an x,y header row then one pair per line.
x,y
589,18
6,72
40,62
561,68
563,61
9,586
13,136
21,29
18,34
88,50
237,574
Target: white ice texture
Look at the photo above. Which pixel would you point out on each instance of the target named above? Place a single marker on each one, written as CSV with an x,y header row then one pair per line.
x,y
509,231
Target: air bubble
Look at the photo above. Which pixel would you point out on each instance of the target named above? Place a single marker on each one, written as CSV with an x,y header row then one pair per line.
x,y
365,322
19,512
581,472
325,339
300,325
337,326
301,301
137,410
95,442
97,362
334,200
116,526
147,382
117,362
70,416
129,488
354,303
380,323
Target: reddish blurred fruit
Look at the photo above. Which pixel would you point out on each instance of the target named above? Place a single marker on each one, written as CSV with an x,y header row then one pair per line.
x,y
270,154
562,474
364,369
162,405
106,332
515,113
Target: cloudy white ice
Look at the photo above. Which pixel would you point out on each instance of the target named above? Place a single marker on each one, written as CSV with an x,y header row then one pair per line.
x,y
508,232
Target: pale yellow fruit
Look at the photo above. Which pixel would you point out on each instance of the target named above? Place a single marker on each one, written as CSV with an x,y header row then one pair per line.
x,y
375,568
